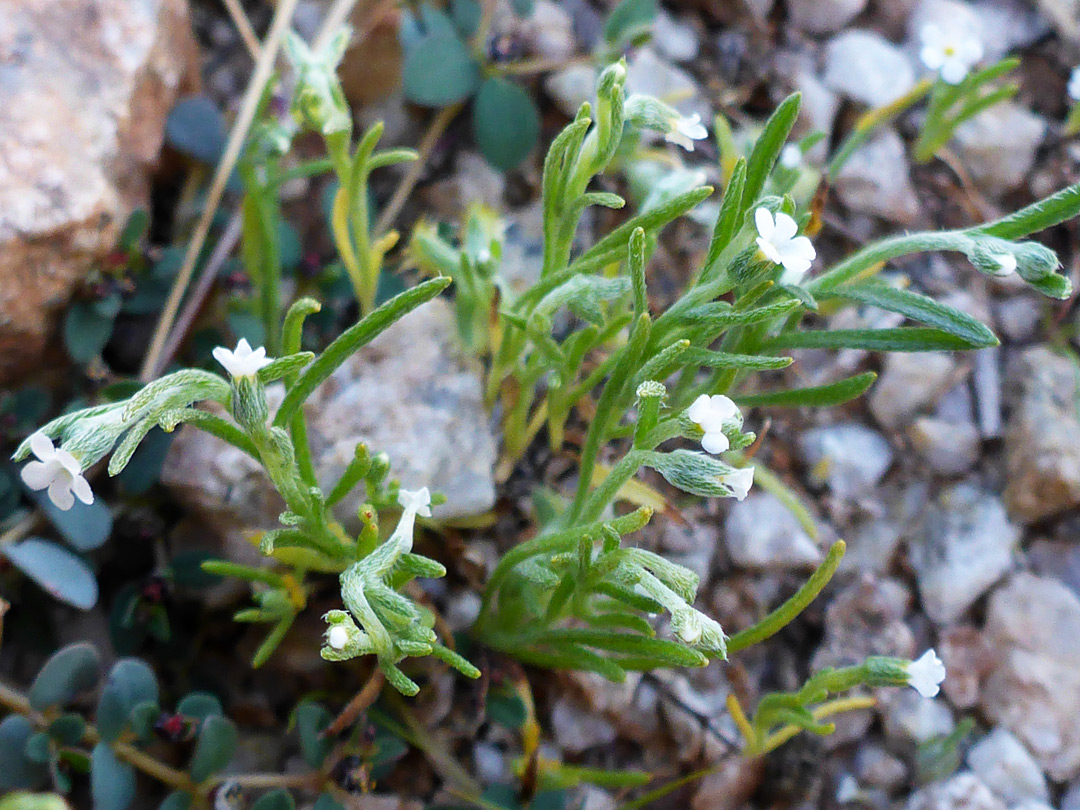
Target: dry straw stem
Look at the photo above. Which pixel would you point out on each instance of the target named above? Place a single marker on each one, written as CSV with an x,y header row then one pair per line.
x,y
243,27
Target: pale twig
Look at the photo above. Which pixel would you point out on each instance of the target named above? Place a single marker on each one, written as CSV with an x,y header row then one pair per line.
x,y
243,27
248,108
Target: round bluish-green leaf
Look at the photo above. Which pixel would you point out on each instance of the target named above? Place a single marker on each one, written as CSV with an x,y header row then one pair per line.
x,y
130,683
112,781
199,705
215,747
311,720
275,800
327,802
506,123
85,526
142,719
439,71
67,729
176,801
196,127
16,771
59,572
39,748
87,328
70,670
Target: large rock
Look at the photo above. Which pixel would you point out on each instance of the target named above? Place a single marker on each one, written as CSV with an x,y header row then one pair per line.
x,y
964,791
824,16
1002,762
998,146
409,393
876,180
866,67
1042,440
909,384
761,532
1033,623
85,88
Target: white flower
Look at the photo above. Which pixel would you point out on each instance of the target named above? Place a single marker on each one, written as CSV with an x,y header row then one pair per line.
x,y
243,362
417,502
791,156
338,637
710,413
926,674
952,54
1007,262
685,131
1073,88
58,471
777,240
740,481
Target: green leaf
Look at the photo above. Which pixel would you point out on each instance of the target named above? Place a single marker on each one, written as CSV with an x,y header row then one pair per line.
x,y
85,526
506,123
628,18
710,359
820,396
16,771
39,748
112,782
311,720
327,802
506,709
439,71
142,718
768,147
67,729
919,308
214,748
199,705
86,331
176,801
196,127
143,469
129,683
900,339
275,800
1036,217
59,572
69,671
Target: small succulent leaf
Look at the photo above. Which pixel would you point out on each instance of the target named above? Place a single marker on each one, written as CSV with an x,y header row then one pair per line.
x,y
214,749
16,770
112,781
59,572
69,671
129,683
311,720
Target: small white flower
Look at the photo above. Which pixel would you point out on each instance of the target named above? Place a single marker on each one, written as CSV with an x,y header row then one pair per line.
x,y
951,54
685,131
926,674
710,413
243,362
777,240
791,156
1073,88
417,502
338,637
740,481
58,471
1007,262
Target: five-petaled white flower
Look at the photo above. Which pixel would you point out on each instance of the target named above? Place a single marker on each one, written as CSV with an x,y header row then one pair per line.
x,y
685,131
791,156
1073,88
951,54
243,362
740,481
926,674
337,637
58,471
710,413
777,240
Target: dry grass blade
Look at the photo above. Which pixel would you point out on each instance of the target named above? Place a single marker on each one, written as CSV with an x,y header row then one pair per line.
x,y
243,27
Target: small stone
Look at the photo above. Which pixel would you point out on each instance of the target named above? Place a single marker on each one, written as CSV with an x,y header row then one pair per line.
x,y
969,659
824,16
761,532
1009,25
866,67
1064,15
949,448
1005,766
1033,623
961,792
1042,440
910,383
1018,317
876,767
866,618
674,38
571,87
576,729
649,74
730,786
849,457
964,546
547,33
876,180
819,107
910,717
987,385
998,146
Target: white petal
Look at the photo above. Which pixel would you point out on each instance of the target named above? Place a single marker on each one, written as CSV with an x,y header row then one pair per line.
x,y
679,139
954,70
68,462
1007,262
225,357
38,474
81,487
338,637
723,407
715,443
42,446
802,246
932,35
763,219
243,349
926,674
795,263
771,253
692,127
786,228
791,156
700,409
740,481
417,502
60,494
971,50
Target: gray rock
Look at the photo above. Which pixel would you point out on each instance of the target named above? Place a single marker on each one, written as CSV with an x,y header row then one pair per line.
x,y
1064,15
877,768
1033,623
876,181
866,618
576,729
1005,766
866,67
909,717
819,108
1009,25
964,791
998,146
648,73
571,87
987,387
849,457
964,546
1042,439
547,33
969,659
410,393
910,383
824,16
675,39
761,532
949,448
